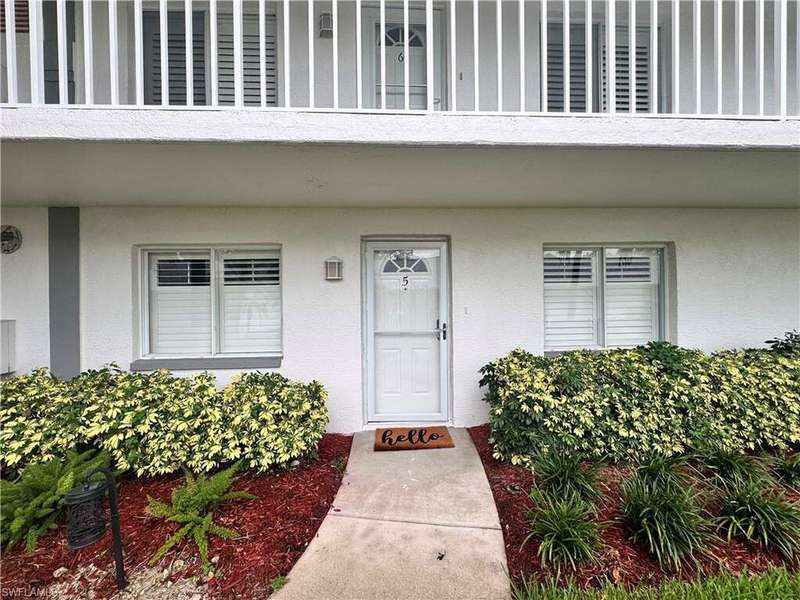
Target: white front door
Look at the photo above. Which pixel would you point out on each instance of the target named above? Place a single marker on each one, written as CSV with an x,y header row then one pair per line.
x,y
408,333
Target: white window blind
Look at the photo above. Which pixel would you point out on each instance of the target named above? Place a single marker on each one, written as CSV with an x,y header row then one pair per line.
x,y
250,58
180,304
578,103
250,302
631,296
216,301
602,297
570,299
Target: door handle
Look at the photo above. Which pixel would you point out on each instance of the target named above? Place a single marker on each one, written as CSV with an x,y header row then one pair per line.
x,y
441,331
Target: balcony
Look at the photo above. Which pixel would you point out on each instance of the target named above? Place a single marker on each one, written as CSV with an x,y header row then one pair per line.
x,y
687,58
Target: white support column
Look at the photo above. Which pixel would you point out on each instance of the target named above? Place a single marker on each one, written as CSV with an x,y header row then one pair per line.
x,y
189,48
164,48
383,52
88,53
543,55
676,56
521,35
654,95
698,62
784,57
718,51
287,65
311,61
138,42
11,52
632,55
611,56
739,18
238,73
262,52
61,25
760,53
214,52
567,57
429,81
335,74
37,53
406,61
499,24
476,55
453,74
359,79
113,48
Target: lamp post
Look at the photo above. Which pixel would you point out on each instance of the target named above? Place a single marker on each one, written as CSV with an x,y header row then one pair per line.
x,y
86,522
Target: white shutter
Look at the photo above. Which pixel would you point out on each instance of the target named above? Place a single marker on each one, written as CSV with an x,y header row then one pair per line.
x,y
180,304
176,58
570,299
632,292
623,72
555,68
250,60
250,301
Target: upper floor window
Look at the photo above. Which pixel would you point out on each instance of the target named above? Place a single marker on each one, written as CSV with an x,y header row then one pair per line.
x,y
209,302
603,296
577,64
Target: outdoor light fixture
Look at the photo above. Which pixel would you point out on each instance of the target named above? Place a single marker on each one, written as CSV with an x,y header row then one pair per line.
x,y
86,523
326,25
334,269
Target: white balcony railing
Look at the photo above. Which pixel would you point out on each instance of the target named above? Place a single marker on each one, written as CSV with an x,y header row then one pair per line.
x,y
705,58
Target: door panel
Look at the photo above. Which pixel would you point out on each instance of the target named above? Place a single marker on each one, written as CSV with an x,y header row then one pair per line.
x,y
406,347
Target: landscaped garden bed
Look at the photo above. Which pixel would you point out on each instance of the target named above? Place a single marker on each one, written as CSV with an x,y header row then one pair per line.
x,y
640,467
264,478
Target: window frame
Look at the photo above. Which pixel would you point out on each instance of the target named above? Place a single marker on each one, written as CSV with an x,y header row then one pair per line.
x,y
664,289
142,309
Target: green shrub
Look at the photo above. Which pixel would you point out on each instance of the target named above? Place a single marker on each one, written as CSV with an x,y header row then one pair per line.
x,y
628,404
33,502
156,423
787,344
662,470
565,530
747,511
787,469
774,584
666,519
565,475
192,507
729,469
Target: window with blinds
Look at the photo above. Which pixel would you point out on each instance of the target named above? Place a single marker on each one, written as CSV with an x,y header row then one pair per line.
x,y
602,297
577,90
225,47
213,302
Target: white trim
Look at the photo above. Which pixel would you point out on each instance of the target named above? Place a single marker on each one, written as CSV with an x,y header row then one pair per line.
x,y
368,303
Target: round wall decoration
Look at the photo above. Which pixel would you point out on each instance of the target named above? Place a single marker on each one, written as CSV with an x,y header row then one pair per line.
x,y
11,238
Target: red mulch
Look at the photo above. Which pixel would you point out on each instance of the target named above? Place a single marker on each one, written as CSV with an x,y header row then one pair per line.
x,y
274,530
619,560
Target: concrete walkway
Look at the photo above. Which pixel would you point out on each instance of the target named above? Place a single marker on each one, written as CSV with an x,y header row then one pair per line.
x,y
417,524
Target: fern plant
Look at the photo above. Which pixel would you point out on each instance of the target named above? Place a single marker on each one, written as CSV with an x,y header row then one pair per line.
x,y
192,507
33,502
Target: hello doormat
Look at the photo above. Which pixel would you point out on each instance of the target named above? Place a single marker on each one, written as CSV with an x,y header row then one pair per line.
x,y
412,438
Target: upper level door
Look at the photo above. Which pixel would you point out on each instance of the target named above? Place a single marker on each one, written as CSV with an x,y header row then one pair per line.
x,y
408,335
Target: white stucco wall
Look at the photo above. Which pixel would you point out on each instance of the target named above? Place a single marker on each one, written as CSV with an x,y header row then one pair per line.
x,y
737,279
24,291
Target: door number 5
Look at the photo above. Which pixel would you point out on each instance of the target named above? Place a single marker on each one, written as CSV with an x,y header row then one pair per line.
x,y
404,283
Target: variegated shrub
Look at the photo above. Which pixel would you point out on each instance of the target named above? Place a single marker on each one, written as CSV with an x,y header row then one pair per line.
x,y
625,404
157,423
